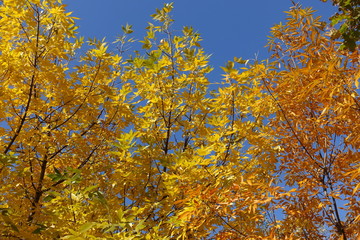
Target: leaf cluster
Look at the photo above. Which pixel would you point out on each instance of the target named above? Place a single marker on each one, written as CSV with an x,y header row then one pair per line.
x,y
105,143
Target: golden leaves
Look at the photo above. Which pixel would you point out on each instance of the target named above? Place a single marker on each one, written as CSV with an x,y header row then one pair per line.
x,y
313,91
140,148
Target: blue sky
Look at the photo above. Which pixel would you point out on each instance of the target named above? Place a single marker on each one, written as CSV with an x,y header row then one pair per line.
x,y
230,28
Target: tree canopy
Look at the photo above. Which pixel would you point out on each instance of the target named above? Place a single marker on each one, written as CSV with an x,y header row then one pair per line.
x,y
348,19
105,143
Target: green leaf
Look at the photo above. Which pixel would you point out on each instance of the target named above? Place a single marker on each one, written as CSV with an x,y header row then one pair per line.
x,y
57,171
39,229
240,60
140,226
48,198
8,221
127,29
86,227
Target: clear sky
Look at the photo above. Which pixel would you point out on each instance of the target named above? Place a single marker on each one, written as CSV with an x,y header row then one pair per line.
x,y
229,27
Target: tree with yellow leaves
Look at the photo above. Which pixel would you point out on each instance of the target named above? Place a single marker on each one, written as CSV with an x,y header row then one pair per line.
x,y
316,90
56,119
107,146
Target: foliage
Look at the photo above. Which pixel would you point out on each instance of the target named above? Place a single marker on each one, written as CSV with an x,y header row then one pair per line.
x,y
316,90
103,146
348,16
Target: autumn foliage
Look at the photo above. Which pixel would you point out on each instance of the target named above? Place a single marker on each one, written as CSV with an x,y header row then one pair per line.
x,y
112,144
